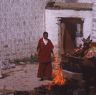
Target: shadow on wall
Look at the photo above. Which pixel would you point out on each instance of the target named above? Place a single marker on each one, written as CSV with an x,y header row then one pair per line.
x,y
32,59
71,1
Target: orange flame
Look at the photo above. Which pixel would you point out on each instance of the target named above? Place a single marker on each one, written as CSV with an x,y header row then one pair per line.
x,y
58,77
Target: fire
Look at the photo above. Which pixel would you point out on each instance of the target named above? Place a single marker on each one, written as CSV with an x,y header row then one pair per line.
x,y
58,77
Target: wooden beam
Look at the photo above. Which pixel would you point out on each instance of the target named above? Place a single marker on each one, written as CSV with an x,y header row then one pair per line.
x,y
73,6
71,20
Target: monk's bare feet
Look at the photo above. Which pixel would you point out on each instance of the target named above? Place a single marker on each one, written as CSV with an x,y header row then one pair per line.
x,y
41,79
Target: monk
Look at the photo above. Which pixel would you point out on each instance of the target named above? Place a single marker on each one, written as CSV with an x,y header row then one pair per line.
x,y
45,51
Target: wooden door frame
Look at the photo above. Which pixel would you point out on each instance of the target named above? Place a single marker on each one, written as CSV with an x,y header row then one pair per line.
x,y
63,20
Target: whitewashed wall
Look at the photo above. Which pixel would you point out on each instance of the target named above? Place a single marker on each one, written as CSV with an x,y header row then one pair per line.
x,y
85,1
94,23
52,20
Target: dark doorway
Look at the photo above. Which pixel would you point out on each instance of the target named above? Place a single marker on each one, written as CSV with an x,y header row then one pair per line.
x,y
69,31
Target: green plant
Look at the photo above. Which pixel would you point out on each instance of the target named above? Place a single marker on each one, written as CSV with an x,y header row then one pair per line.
x,y
34,58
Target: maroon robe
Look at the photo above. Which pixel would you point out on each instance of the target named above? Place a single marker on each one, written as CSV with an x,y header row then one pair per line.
x,y
44,58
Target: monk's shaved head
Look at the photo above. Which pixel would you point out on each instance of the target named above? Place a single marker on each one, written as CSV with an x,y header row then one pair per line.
x,y
45,35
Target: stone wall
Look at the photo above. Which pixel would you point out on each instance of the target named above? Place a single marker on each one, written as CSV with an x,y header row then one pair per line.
x,y
21,25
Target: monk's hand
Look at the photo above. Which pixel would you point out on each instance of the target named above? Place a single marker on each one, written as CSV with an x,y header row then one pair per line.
x,y
52,57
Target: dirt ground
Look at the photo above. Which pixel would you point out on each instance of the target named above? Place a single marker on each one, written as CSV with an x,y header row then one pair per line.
x,y
22,78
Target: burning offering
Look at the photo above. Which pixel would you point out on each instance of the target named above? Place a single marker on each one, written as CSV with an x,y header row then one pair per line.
x,y
58,77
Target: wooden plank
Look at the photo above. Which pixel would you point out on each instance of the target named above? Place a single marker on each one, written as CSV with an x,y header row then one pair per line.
x,y
74,6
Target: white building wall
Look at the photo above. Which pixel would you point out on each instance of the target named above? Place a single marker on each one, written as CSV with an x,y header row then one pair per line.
x,y
85,1
52,20
93,36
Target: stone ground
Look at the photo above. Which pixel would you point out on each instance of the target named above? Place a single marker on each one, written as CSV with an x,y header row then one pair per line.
x,y
22,78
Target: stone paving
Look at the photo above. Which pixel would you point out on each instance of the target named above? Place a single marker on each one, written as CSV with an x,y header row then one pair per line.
x,y
22,78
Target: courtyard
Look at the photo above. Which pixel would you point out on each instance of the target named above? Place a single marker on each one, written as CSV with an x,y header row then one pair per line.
x,y
21,78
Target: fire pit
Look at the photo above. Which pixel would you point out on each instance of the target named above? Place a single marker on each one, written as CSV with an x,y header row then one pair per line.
x,y
65,89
